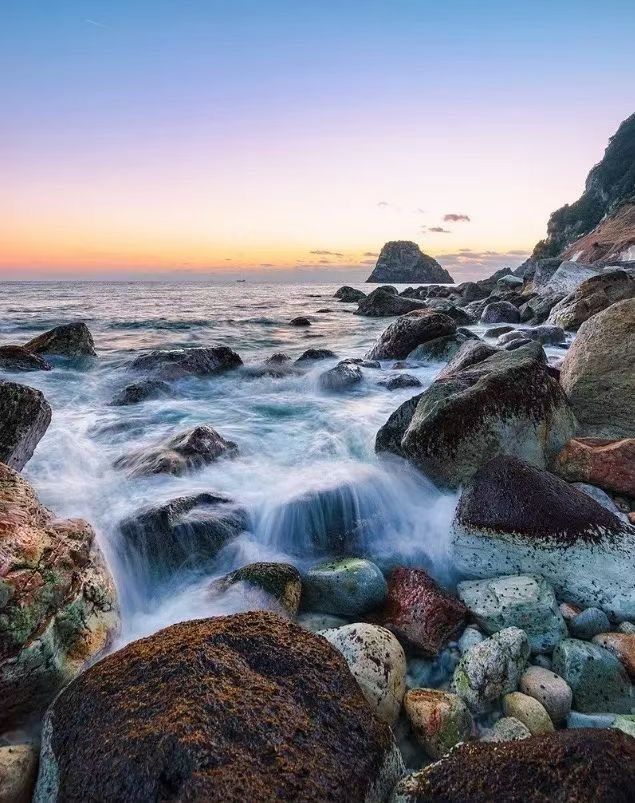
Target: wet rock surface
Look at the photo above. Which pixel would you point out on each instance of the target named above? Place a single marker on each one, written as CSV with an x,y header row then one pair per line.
x,y
24,418
384,304
180,363
68,340
409,331
141,391
18,359
343,376
280,581
346,587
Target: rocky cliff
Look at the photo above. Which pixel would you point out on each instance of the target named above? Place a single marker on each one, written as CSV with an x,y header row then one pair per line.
x,y
402,261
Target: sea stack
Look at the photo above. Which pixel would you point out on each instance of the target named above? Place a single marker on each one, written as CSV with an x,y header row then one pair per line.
x,y
403,262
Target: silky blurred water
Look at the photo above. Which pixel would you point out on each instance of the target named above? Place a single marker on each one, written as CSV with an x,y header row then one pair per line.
x,y
305,455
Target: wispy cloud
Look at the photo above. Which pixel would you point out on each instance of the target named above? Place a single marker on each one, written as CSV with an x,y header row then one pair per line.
x,y
383,204
454,217
324,253
95,23
371,253
438,230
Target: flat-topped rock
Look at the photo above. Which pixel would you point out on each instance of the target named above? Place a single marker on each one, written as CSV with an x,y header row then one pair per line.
x,y
179,363
403,262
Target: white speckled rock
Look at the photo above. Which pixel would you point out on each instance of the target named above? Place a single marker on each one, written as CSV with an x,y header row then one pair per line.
x,y
378,663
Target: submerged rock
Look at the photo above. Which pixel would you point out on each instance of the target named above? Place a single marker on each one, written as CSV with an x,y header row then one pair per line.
x,y
377,662
383,304
316,354
440,720
300,321
513,518
185,533
280,581
343,376
420,612
349,295
535,769
58,608
403,262
179,454
179,363
141,391
598,373
409,331
505,404
16,358
347,586
243,707
68,340
24,418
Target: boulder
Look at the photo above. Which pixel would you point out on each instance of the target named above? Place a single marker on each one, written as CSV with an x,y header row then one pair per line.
x,y
529,711
420,612
58,608
18,359
377,662
592,296
567,278
622,645
509,281
598,680
470,353
182,453
516,601
141,391
18,768
598,373
24,418
589,623
349,295
441,349
300,321
382,304
492,669
346,586
471,291
535,769
280,581
183,534
458,315
409,331
68,340
242,707
343,376
403,262
505,404
550,690
400,382
180,363
500,312
439,720
607,463
513,518
316,354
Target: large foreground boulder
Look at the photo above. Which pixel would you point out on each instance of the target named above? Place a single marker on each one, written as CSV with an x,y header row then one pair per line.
x,y
179,363
58,606
585,766
505,404
68,340
24,418
409,331
591,297
403,262
242,707
515,519
384,304
598,373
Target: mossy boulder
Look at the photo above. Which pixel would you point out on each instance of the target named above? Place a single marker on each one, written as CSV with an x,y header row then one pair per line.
x,y
280,581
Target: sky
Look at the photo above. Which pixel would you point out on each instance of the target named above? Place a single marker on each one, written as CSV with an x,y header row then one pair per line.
x,y
293,138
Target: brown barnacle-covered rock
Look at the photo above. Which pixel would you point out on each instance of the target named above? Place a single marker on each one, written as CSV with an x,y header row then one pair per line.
x,y
279,581
583,765
24,418
58,607
242,707
420,612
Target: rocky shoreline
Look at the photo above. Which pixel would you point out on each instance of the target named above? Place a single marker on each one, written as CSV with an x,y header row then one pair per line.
x,y
357,682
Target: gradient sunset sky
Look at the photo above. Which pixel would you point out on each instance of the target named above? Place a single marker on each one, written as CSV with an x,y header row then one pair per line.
x,y
185,136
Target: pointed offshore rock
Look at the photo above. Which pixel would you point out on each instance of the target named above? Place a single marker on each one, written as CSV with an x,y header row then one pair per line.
x,y
179,363
246,707
403,262
68,340
513,518
24,418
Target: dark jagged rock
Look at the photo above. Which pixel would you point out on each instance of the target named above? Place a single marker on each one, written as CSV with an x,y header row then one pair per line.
x,y
505,404
17,358
500,312
400,381
300,321
141,391
537,309
185,533
24,418
278,359
513,518
179,363
471,291
349,295
409,331
458,315
316,354
180,454
470,353
591,297
343,376
242,707
403,262
58,608
382,304
280,581
441,349
586,765
68,340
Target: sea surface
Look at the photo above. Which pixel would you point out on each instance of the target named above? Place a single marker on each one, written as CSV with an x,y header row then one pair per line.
x,y
306,457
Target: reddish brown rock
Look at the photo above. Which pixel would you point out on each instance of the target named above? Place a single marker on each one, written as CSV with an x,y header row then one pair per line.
x,y
419,612
585,765
622,645
610,464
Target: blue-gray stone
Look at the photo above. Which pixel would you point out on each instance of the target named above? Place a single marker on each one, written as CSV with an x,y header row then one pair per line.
x,y
589,623
346,587
578,720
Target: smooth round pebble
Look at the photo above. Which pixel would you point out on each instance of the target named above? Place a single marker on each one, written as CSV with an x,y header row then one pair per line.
x,y
589,623
549,689
529,711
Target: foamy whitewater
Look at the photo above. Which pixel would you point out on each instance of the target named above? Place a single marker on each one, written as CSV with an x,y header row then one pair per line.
x,y
306,463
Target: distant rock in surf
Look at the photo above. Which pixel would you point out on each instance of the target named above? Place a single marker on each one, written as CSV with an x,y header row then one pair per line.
x,y
403,262
141,391
179,363
349,295
68,340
